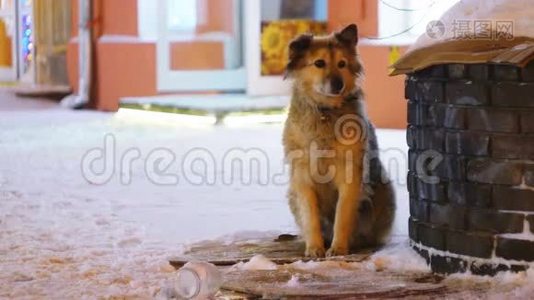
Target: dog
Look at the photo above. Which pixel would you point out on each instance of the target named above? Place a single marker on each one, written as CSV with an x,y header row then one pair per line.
x,y
339,192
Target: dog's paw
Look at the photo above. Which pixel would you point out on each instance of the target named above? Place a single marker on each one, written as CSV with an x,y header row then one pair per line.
x,y
315,252
337,251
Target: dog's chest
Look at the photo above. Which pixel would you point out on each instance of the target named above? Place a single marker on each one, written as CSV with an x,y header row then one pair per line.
x,y
324,147
323,151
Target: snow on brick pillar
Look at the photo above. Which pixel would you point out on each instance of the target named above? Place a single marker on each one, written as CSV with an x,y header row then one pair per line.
x,y
478,214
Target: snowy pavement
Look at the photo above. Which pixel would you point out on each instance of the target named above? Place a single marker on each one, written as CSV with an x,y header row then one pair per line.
x,y
62,236
66,235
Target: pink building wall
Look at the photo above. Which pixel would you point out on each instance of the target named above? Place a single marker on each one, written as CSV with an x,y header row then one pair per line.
x,y
126,66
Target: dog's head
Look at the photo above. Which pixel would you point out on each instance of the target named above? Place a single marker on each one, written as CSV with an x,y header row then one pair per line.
x,y
326,69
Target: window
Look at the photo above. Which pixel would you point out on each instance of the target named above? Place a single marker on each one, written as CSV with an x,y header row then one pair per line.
x,y
147,16
294,9
182,15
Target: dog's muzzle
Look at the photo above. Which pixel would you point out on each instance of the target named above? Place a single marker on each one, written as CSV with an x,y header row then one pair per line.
x,y
333,87
336,85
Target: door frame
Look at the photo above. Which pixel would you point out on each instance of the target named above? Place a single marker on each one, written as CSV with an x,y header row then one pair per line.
x,y
258,85
193,81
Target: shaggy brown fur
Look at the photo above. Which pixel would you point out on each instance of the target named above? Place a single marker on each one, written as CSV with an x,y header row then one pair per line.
x,y
339,192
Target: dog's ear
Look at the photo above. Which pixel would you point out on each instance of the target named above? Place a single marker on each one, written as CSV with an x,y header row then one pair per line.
x,y
348,36
297,50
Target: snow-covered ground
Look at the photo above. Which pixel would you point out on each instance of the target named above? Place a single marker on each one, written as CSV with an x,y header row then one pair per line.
x,y
62,236
65,236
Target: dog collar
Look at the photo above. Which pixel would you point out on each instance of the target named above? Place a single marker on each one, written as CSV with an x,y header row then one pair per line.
x,y
325,110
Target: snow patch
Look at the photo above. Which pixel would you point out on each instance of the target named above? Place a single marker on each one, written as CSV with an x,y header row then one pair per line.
x,y
293,282
399,257
526,235
524,185
256,263
493,261
507,285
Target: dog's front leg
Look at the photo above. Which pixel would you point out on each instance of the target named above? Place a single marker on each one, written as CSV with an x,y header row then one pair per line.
x,y
346,217
310,221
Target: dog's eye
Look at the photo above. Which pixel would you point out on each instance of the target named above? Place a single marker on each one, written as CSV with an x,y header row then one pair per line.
x,y
342,64
320,63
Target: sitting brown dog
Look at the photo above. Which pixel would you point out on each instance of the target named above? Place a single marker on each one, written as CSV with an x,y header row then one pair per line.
x,y
339,193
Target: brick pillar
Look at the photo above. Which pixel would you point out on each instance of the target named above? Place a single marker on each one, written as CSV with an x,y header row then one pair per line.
x,y
471,210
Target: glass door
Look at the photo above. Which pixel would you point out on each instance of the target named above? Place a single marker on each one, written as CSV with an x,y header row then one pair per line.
x,y
8,40
270,26
199,46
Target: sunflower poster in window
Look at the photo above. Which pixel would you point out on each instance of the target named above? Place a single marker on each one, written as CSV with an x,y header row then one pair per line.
x,y
275,38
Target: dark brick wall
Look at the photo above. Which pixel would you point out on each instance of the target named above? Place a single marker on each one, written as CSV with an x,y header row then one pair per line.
x,y
478,120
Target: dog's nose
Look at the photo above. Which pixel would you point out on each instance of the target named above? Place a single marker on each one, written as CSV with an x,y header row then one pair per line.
x,y
337,85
